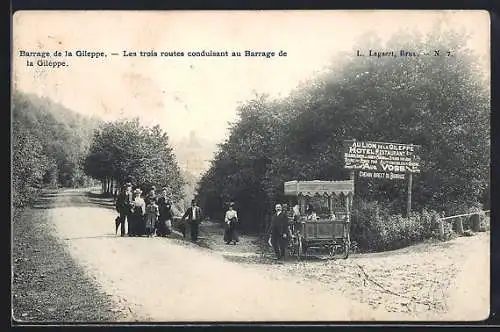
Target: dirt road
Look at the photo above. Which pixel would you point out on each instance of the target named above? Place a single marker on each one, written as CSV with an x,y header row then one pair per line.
x,y
158,279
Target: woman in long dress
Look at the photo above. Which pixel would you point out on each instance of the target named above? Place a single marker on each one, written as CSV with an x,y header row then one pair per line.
x,y
231,220
164,226
139,209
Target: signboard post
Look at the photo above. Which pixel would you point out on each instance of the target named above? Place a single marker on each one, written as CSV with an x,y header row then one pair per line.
x,y
382,160
408,202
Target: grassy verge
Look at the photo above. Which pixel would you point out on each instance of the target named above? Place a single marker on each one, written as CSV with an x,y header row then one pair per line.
x,y
47,285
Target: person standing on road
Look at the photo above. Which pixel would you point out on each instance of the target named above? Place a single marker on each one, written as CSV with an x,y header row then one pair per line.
x,y
152,213
164,226
151,196
139,209
124,207
193,217
279,232
231,220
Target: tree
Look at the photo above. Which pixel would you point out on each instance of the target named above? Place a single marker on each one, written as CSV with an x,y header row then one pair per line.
x,y
438,102
49,142
125,151
30,164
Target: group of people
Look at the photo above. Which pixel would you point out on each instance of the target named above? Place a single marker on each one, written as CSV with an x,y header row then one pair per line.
x,y
152,215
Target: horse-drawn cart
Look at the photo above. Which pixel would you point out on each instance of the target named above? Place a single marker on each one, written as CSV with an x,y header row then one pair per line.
x,y
323,220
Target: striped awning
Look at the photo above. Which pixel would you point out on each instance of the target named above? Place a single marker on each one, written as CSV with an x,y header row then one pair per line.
x,y
318,187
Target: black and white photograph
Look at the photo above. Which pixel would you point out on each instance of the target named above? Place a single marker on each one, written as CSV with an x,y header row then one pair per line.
x,y
250,166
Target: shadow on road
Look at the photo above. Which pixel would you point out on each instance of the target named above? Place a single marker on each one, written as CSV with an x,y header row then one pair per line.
x,y
265,258
91,237
47,200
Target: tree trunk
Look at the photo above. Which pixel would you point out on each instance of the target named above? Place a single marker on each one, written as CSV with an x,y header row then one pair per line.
x,y
459,226
441,229
476,222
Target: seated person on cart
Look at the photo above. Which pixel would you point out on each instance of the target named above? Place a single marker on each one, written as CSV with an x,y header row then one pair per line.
x,y
333,217
311,214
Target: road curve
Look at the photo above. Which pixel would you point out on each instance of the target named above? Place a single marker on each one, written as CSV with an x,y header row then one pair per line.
x,y
165,280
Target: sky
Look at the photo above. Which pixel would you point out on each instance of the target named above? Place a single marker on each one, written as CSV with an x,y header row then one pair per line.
x,y
184,94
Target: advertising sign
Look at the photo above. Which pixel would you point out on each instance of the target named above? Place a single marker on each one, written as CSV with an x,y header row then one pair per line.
x,y
381,159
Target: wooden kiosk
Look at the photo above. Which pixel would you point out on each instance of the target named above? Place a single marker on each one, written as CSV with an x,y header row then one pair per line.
x,y
323,223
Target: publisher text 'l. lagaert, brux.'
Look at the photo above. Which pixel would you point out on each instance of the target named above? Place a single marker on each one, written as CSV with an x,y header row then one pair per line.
x,y
381,54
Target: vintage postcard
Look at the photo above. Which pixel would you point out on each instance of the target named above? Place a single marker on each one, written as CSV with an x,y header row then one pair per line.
x,y
250,166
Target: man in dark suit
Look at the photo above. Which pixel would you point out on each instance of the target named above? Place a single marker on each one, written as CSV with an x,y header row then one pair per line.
x,y
124,207
193,218
279,232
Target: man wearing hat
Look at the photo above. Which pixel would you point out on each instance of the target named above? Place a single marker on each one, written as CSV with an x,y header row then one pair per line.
x,y
124,208
193,218
279,232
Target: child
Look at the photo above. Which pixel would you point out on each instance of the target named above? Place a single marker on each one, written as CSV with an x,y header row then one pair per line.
x,y
152,213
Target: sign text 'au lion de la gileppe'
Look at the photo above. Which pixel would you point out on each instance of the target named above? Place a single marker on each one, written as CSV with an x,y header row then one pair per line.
x,y
381,159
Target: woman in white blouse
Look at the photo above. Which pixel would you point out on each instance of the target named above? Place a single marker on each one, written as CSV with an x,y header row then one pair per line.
x,y
231,220
139,209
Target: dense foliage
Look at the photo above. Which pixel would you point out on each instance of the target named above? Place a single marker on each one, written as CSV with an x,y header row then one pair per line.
x,y
49,143
438,102
375,228
124,151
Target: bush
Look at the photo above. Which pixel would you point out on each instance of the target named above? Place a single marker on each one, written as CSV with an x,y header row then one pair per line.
x,y
375,229
484,218
23,196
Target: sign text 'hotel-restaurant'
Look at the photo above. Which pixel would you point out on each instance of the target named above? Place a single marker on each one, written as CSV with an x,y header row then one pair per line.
x,y
381,159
